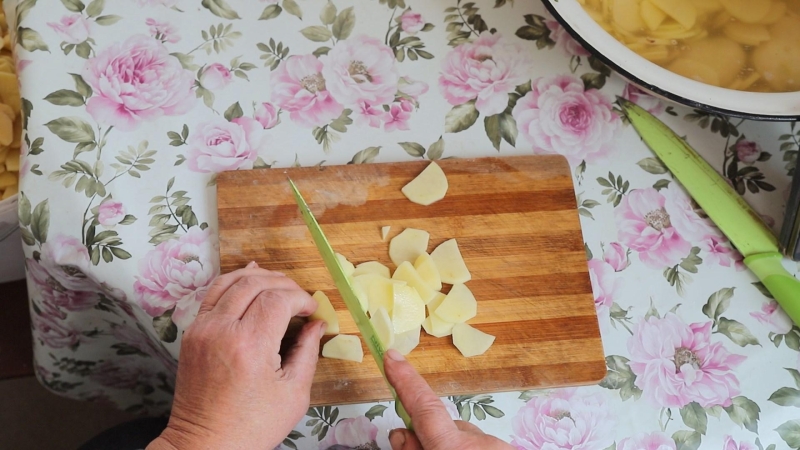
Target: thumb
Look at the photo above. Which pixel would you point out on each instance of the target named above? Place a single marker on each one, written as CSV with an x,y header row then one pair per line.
x,y
301,360
402,439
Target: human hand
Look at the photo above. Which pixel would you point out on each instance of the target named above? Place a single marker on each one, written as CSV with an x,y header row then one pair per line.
x,y
432,424
233,391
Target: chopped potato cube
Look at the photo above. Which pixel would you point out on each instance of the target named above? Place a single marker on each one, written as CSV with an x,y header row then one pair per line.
x,y
408,245
450,263
428,187
8,179
471,341
459,306
409,310
344,346
9,192
12,160
6,130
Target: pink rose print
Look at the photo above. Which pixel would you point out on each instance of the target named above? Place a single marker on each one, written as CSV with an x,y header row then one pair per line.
x,y
299,88
411,22
361,70
163,31
53,331
730,444
616,256
267,115
676,364
72,29
176,274
219,145
67,261
487,69
369,115
604,284
110,213
137,80
683,216
412,88
559,117
716,252
774,317
564,41
644,225
55,295
358,432
215,76
644,441
748,151
564,420
647,101
398,115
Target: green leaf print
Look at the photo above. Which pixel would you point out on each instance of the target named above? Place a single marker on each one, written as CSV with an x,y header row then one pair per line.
x,y
270,12
316,33
413,149
375,411
344,24
737,332
40,221
695,417
220,8
293,8
686,440
790,433
436,150
328,13
71,129
718,303
461,117
653,165
744,412
165,328
31,40
365,156
95,8
621,377
73,5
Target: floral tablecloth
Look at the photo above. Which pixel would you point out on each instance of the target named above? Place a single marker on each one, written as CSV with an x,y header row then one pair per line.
x,y
132,106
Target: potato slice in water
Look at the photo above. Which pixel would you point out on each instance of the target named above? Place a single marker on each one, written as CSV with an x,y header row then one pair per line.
x,y
408,245
683,11
776,60
344,346
372,267
406,342
450,263
383,327
748,11
716,60
707,6
426,269
776,13
428,187
695,70
652,16
459,306
471,341
408,311
627,16
406,272
325,312
746,34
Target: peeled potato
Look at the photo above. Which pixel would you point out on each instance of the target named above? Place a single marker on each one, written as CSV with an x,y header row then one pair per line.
x,y
8,179
371,267
459,306
381,294
427,270
746,34
428,187
627,16
6,130
433,304
409,309
450,263
325,312
383,327
437,327
748,11
695,70
385,232
406,272
652,16
12,160
471,341
683,11
408,245
776,61
344,347
725,57
10,191
406,342
347,266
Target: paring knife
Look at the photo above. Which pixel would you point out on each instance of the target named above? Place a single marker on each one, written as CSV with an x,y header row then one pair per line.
x,y
342,282
740,223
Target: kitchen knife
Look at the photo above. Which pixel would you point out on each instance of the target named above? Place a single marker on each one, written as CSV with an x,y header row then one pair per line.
x,y
790,232
342,282
740,223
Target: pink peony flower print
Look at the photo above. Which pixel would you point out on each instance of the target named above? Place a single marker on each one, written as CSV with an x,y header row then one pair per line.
x,y
358,432
616,256
163,31
219,145
716,252
135,81
55,295
66,259
72,28
299,88
397,116
267,115
369,115
773,317
110,213
559,117
567,419
54,331
676,364
411,22
215,77
645,441
564,40
361,69
604,284
487,69
730,444
748,152
412,88
684,217
644,99
644,225
176,274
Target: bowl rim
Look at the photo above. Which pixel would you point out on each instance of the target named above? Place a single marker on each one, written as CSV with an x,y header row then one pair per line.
x,y
583,20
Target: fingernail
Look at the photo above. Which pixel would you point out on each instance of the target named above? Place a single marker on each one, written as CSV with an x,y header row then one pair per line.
x,y
322,329
397,439
251,265
395,355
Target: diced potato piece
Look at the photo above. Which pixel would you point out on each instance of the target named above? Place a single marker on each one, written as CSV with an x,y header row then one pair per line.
x,y
344,346
385,232
776,13
2,168
383,327
707,6
406,272
428,187
372,267
408,245
748,11
9,192
426,269
347,266
8,179
626,15
409,310
6,130
683,11
720,54
471,341
4,151
12,160
433,304
7,111
652,16
459,306
406,342
437,327
325,312
9,91
746,34
381,294
695,70
450,263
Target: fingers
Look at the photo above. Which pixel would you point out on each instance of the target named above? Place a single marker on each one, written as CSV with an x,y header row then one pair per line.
x,y
468,427
238,297
223,282
269,314
402,439
301,362
430,418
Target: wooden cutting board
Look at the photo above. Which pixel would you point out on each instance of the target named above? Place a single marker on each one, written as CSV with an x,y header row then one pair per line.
x,y
516,223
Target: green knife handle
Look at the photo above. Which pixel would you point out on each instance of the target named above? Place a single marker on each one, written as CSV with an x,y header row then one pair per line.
x,y
401,412
781,284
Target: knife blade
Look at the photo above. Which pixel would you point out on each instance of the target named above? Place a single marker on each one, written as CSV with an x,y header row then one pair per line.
x,y
342,281
737,220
